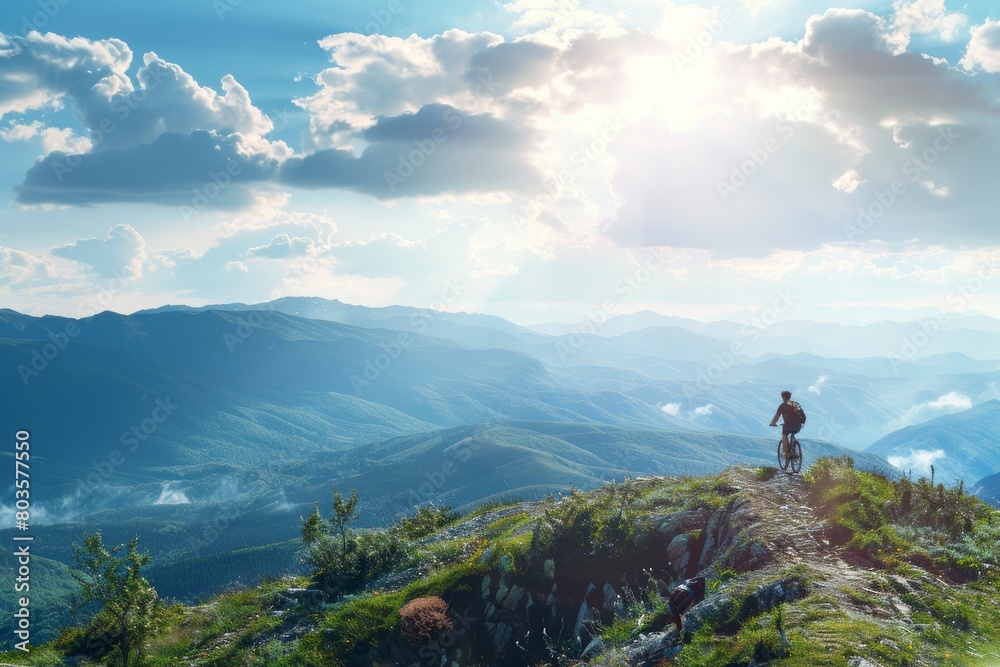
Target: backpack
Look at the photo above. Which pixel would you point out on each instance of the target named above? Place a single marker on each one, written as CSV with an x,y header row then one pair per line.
x,y
682,596
799,411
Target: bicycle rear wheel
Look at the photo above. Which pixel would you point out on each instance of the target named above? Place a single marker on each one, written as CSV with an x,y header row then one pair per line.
x,y
782,459
796,456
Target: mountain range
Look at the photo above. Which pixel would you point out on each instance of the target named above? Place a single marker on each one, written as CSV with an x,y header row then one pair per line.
x,y
211,431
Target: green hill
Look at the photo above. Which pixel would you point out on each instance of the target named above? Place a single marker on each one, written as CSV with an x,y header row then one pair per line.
x,y
838,567
964,446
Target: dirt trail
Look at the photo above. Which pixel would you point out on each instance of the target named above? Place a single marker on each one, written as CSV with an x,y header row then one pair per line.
x,y
795,536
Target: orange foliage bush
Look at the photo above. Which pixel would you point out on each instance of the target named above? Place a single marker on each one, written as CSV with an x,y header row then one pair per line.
x,y
424,620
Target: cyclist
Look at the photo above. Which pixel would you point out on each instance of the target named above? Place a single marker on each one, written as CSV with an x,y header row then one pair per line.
x,y
793,416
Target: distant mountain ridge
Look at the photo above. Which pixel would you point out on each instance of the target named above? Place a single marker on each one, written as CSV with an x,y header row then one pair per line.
x,y
961,446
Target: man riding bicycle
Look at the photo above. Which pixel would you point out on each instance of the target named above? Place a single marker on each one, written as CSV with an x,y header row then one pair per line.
x,y
793,417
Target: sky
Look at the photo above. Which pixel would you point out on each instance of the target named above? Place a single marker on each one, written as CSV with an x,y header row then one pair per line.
x,y
533,158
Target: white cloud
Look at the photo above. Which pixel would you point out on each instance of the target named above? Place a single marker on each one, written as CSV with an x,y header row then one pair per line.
x,y
120,254
672,409
153,140
817,386
984,48
20,269
837,107
283,246
172,496
41,69
925,17
848,182
52,138
918,461
704,410
952,401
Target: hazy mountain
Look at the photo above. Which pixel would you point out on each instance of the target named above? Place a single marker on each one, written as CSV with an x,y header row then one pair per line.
x,y
463,466
961,446
988,488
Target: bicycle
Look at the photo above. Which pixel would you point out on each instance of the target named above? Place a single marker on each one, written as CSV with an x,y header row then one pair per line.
x,y
795,460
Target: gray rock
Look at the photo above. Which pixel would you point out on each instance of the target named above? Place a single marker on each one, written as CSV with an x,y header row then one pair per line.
x,y
513,597
595,647
501,636
680,522
715,610
611,603
652,649
678,547
584,615
861,662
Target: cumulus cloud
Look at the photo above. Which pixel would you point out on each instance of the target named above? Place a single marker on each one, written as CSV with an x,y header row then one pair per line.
x,y
376,75
438,149
120,254
817,386
918,461
925,17
835,118
19,269
952,401
198,170
148,140
282,246
672,409
984,48
52,138
41,69
704,410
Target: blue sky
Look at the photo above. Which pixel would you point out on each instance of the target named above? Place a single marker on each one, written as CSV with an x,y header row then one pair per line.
x,y
536,152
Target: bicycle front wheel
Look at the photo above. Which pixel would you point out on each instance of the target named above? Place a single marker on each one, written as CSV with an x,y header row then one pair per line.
x,y
796,456
782,459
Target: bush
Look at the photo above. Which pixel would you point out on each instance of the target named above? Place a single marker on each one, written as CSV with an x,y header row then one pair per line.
x,y
935,527
589,531
369,555
426,521
424,620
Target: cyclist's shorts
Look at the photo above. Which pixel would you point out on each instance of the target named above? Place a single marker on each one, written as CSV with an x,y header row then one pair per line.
x,y
790,430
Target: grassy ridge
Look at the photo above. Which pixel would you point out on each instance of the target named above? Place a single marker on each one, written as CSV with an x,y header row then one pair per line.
x,y
918,586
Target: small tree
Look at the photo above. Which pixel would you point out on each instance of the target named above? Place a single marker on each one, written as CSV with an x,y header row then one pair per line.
x,y
344,514
128,600
332,559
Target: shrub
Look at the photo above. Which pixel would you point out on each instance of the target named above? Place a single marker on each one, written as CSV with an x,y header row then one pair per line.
x,y
424,620
426,521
